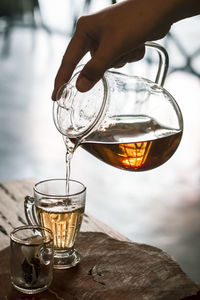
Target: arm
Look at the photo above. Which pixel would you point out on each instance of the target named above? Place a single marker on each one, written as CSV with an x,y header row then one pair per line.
x,y
117,34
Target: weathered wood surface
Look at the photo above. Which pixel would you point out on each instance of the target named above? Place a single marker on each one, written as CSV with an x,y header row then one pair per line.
x,y
12,211
111,269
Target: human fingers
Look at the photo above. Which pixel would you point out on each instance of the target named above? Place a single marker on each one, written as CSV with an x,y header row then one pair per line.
x,y
132,56
75,51
96,66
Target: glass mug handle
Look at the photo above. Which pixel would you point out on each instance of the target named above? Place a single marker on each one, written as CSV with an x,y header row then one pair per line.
x,y
29,211
163,62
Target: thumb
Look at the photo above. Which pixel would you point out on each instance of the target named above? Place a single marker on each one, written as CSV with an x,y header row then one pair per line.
x,y
94,70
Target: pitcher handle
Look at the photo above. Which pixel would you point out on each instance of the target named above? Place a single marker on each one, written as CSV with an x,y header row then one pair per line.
x,y
163,62
29,211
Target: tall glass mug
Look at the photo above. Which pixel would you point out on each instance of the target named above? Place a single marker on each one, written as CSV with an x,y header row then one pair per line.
x,y
60,207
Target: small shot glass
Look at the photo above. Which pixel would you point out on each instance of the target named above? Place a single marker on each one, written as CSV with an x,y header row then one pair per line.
x,y
31,258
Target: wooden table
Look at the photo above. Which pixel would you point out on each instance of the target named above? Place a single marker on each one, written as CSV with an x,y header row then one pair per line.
x,y
112,267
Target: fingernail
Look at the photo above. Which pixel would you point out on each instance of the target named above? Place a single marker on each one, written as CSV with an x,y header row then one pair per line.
x,y
83,84
53,96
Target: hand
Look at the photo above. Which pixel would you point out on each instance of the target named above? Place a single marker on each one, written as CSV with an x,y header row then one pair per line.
x,y
114,36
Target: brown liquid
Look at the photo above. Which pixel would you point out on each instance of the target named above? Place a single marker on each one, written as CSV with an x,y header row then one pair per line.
x,y
135,146
139,156
65,225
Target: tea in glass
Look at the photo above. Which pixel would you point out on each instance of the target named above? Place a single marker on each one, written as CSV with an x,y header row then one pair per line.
x,y
31,254
59,205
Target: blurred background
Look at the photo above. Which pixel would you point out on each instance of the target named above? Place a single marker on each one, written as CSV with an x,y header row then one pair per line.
x,y
159,207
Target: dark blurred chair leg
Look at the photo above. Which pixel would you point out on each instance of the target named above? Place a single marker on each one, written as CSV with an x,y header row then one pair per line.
x,y
20,13
42,23
189,57
6,39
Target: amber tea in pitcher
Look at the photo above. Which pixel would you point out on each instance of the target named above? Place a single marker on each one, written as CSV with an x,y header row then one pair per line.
x,y
143,153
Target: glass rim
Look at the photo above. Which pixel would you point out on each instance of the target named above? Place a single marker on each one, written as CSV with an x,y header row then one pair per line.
x,y
32,227
102,109
59,195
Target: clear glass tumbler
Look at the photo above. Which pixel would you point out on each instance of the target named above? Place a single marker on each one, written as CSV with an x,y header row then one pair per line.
x,y
31,256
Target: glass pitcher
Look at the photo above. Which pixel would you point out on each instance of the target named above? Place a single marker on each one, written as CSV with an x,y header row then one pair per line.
x,y
126,121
